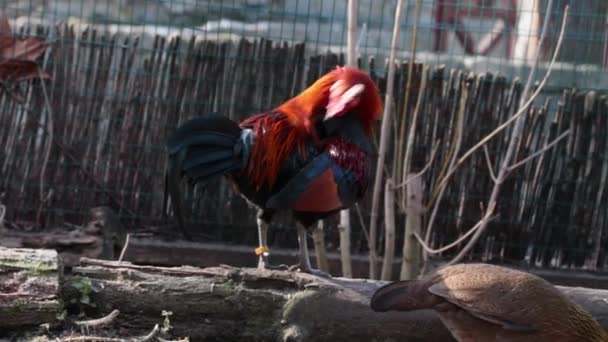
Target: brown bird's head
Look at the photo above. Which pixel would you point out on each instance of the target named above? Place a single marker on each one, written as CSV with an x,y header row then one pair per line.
x,y
405,295
342,91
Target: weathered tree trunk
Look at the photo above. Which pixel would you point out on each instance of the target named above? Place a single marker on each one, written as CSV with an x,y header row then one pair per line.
x,y
29,287
221,303
232,304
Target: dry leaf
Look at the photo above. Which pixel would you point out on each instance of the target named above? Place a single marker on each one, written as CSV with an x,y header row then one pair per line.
x,y
18,55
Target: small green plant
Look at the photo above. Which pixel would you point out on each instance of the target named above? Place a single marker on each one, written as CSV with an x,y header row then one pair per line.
x,y
85,288
62,315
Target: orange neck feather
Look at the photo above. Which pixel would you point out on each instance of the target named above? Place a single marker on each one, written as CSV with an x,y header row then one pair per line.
x,y
288,133
278,137
302,109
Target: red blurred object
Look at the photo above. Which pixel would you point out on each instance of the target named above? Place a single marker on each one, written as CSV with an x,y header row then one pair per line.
x,y
18,55
451,15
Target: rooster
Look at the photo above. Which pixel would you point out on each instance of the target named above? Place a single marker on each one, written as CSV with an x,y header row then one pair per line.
x,y
310,155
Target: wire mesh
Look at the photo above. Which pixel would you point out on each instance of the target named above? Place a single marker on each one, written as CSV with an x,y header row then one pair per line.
x,y
124,73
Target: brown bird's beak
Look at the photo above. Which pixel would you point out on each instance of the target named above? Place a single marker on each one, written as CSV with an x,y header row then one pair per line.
x,y
395,296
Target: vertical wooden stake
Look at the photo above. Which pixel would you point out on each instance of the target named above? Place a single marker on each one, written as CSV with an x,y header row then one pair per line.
x,y
384,134
344,228
344,225
389,228
318,237
410,264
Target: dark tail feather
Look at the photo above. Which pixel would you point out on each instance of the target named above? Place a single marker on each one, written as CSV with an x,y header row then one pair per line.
x,y
201,149
173,177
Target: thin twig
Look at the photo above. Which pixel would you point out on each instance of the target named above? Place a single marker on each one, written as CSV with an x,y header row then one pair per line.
x,y
64,149
430,250
2,214
384,133
489,162
514,139
406,96
389,229
185,339
108,319
86,173
145,338
50,128
124,248
362,222
92,339
424,169
344,225
16,294
512,119
539,152
412,133
455,146
150,335
4,86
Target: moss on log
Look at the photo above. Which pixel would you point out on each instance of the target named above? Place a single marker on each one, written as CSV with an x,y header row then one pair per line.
x,y
29,287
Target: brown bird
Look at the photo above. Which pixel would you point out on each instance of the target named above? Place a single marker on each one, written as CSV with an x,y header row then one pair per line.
x,y
481,302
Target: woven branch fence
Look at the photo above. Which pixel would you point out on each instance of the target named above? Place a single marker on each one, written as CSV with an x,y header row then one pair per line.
x,y
112,104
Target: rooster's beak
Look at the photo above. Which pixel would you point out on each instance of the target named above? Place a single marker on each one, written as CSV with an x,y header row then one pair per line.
x,y
340,102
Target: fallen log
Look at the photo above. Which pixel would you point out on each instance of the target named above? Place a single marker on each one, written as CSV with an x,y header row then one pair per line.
x,y
225,303
104,235
231,304
29,287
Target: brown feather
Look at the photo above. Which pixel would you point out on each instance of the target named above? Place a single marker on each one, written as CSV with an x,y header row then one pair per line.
x,y
482,302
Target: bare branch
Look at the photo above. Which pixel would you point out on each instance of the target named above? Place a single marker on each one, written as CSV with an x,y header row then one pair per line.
x,y
521,110
384,133
456,148
424,169
108,319
539,152
515,135
362,222
402,164
47,154
66,151
344,224
2,214
430,250
152,334
124,248
185,339
489,162
389,228
91,339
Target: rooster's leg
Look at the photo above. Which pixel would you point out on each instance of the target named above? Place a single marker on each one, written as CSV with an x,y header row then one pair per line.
x,y
262,251
304,265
